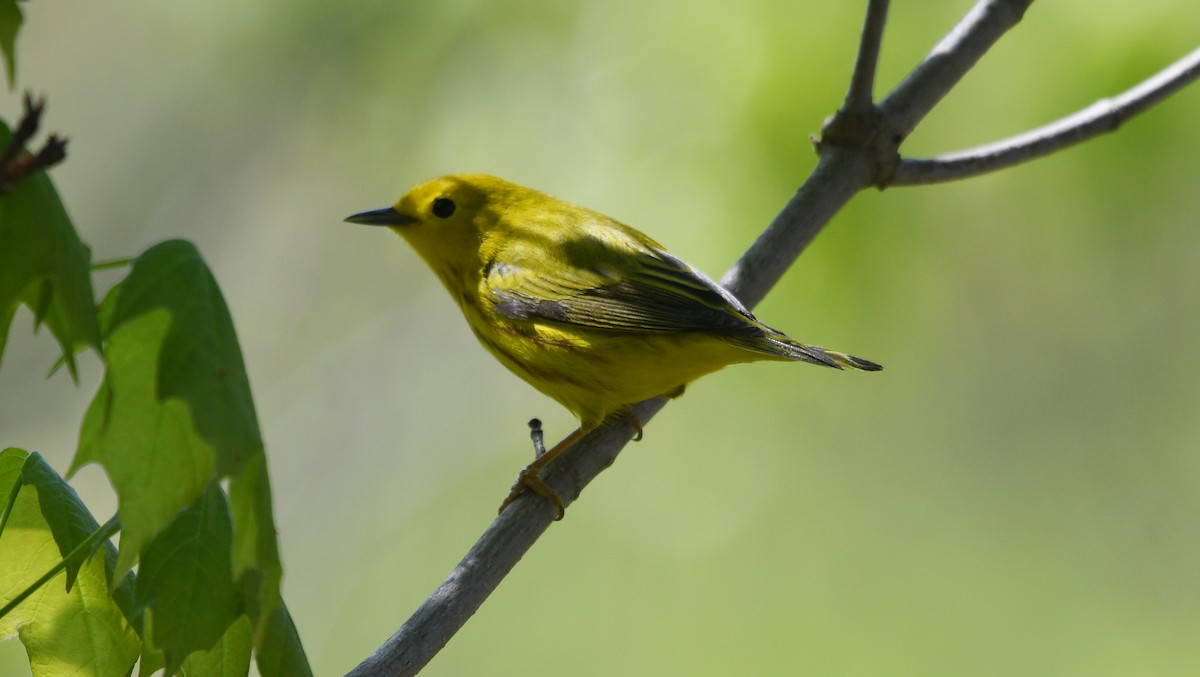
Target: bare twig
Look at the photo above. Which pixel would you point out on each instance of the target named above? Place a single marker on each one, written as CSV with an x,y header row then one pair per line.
x,y
861,95
857,124
945,65
848,164
1099,118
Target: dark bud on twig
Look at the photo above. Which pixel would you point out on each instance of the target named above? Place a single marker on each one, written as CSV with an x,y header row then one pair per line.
x,y
16,163
535,434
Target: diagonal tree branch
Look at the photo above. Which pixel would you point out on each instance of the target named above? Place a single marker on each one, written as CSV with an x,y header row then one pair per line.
x,y
496,552
1099,118
862,156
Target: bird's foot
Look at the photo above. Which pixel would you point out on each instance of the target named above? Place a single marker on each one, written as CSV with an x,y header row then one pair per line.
x,y
529,479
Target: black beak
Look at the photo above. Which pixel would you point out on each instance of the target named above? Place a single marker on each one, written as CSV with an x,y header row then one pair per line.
x,y
388,216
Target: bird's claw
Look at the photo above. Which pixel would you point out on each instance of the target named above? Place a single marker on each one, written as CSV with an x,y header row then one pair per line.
x,y
533,482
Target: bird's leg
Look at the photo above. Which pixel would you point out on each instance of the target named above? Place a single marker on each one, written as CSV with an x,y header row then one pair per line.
x,y
530,478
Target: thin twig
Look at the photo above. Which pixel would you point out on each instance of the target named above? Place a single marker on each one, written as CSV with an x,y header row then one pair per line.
x,y
861,94
1099,118
81,552
945,65
858,123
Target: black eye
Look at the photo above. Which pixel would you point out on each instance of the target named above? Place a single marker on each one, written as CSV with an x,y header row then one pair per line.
x,y
443,207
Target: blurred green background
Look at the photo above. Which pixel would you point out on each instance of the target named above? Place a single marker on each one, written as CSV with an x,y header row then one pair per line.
x,y
1018,493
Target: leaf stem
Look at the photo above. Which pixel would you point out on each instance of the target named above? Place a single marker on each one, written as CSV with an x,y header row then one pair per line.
x,y
8,505
81,551
112,263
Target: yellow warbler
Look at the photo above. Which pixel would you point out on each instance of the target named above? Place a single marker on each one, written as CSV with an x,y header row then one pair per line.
x,y
586,309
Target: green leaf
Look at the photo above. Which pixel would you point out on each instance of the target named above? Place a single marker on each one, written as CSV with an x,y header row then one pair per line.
x,y
12,461
174,409
173,414
44,265
81,632
186,580
280,653
69,520
10,23
255,547
229,658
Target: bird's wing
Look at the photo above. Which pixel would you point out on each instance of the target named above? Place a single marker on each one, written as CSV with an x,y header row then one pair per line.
x,y
621,285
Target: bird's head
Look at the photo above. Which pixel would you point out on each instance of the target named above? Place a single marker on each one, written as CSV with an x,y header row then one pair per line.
x,y
445,220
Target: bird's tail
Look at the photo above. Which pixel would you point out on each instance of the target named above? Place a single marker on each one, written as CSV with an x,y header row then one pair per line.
x,y
794,350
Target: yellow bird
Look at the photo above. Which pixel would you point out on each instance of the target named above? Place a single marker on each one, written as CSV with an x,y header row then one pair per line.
x,y
588,310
